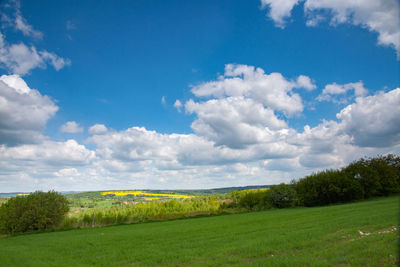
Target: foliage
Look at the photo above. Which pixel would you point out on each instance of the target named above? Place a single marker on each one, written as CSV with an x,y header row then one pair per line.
x,y
365,178
37,211
327,187
281,196
379,176
144,211
253,199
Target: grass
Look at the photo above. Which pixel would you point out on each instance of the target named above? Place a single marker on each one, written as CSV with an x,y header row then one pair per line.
x,y
321,236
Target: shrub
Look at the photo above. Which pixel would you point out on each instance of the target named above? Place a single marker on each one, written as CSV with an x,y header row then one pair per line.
x,y
378,176
327,187
281,196
37,211
253,199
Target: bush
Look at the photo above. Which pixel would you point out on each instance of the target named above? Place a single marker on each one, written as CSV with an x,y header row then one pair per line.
x,y
378,176
281,196
328,187
253,199
37,211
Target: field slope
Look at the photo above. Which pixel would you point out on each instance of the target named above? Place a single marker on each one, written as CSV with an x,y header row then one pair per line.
x,y
357,234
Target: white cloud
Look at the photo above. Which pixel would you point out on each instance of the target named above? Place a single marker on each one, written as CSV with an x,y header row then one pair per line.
x,y
67,172
305,82
163,101
25,28
178,105
237,140
46,154
380,16
56,61
337,89
21,59
234,121
243,110
279,10
271,90
17,21
24,112
98,129
373,121
71,127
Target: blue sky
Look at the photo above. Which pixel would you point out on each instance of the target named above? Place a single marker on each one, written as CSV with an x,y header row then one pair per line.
x,y
193,94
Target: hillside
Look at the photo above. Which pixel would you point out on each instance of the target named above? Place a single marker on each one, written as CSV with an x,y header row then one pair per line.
x,y
356,234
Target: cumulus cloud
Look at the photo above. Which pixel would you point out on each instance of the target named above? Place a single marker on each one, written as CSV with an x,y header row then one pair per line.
x,y
21,59
305,82
24,112
373,121
279,10
51,153
98,129
71,127
234,121
334,89
271,90
380,16
369,126
244,105
238,139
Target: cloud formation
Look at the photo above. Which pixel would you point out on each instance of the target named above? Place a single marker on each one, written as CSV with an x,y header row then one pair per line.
x,y
271,90
98,129
237,139
19,58
71,127
380,16
178,105
16,20
279,10
24,112
373,121
333,90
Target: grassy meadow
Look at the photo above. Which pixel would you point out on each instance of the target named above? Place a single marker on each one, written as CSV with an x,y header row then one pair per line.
x,y
357,234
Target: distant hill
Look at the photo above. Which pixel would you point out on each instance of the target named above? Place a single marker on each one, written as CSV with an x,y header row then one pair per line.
x,y
13,194
194,192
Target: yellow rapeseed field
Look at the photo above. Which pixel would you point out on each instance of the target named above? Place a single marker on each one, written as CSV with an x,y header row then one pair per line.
x,y
143,193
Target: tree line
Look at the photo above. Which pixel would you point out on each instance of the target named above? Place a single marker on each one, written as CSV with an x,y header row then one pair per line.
x,y
362,179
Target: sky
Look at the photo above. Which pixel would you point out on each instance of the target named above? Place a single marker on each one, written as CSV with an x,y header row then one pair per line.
x,y
101,95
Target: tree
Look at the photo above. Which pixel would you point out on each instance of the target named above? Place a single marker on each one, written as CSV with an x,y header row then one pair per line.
x,y
281,196
328,187
36,211
379,176
253,199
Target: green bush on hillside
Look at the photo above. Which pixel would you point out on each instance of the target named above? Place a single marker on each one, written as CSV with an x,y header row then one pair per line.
x,y
37,211
328,187
281,196
365,178
378,176
253,199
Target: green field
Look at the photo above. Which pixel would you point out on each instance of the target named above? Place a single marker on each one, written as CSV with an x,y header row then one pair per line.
x,y
321,236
